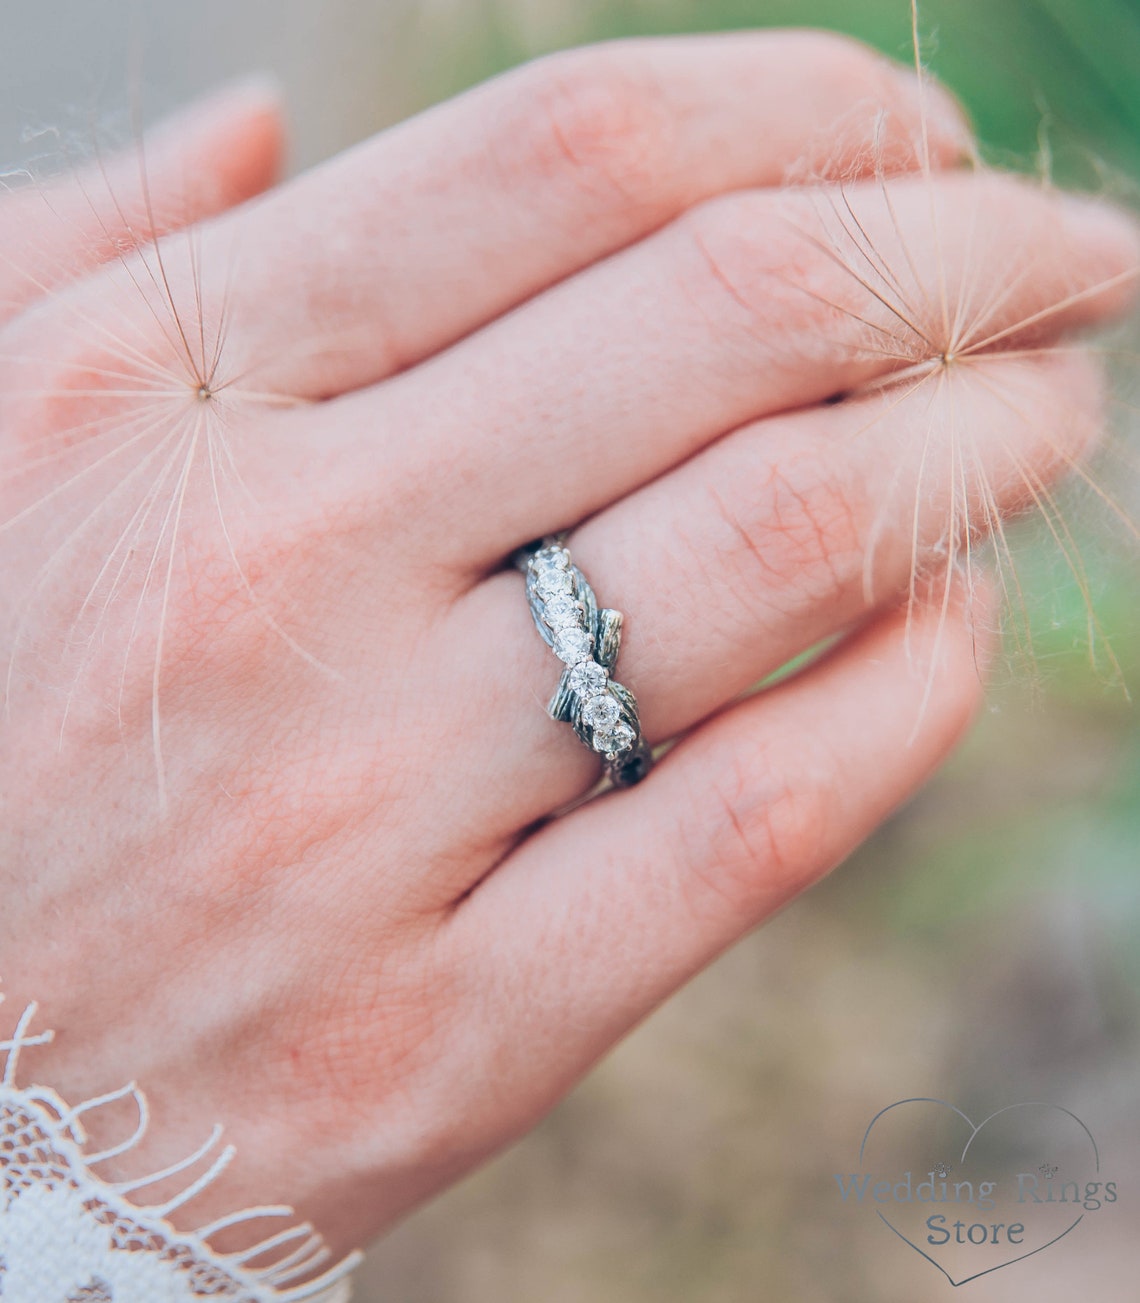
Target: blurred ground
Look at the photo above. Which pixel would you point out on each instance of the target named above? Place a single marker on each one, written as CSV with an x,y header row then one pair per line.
x,y
981,949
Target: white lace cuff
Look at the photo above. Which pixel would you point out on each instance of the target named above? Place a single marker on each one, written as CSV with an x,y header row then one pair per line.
x,y
67,1236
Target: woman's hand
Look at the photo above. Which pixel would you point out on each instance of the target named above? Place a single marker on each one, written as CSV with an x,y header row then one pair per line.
x,y
276,779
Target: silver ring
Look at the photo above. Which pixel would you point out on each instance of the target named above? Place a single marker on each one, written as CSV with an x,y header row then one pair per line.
x,y
586,638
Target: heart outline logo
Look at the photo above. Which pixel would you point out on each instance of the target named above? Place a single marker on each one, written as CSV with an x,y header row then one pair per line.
x,y
975,1129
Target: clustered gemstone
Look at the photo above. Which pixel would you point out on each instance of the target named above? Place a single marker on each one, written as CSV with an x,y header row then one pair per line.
x,y
609,732
588,678
562,610
552,584
562,613
573,645
619,738
601,712
565,616
550,558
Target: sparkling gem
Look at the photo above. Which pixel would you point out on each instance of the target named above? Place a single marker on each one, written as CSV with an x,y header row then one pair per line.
x,y
551,558
620,738
561,611
588,678
572,645
554,583
601,712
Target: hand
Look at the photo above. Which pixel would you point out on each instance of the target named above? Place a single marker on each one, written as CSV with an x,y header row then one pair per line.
x,y
277,788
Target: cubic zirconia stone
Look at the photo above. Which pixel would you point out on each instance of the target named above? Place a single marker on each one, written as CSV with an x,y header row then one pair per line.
x,y
561,611
554,583
572,645
588,678
601,712
617,740
551,558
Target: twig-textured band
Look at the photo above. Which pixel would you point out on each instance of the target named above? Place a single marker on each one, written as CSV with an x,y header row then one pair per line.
x,y
586,638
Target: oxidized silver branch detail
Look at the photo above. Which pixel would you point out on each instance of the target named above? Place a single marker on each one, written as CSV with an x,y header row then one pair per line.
x,y
586,638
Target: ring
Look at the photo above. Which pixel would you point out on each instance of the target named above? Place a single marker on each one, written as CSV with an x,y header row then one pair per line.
x,y
586,638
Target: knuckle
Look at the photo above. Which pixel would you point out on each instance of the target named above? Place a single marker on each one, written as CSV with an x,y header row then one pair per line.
x,y
754,839
595,117
788,536
64,389
755,272
731,272
840,61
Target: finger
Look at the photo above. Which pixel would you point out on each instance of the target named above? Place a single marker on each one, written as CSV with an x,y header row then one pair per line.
x,y
603,914
781,535
200,162
401,246
752,304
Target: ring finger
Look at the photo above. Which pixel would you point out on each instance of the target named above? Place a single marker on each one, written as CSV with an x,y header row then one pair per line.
x,y
782,534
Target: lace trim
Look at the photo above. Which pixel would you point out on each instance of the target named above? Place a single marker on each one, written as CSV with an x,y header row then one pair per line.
x,y
68,1235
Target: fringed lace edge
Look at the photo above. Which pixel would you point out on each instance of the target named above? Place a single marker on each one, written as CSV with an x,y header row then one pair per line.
x,y
300,1249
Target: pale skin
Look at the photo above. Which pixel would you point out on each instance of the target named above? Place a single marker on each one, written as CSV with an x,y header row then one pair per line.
x,y
277,843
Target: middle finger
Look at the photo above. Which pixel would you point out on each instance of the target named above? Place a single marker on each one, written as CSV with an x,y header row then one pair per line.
x,y
748,305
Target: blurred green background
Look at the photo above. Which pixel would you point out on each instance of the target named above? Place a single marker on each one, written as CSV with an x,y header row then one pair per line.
x,y
982,948
1020,65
